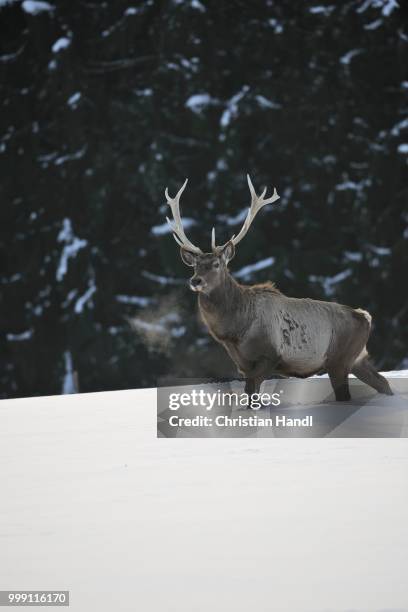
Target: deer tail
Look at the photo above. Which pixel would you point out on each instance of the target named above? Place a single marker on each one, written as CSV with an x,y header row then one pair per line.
x,y
365,314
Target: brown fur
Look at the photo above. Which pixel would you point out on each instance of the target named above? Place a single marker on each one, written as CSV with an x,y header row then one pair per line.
x,y
266,332
268,286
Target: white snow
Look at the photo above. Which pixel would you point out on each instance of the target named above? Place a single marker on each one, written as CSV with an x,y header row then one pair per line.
x,y
396,374
26,335
199,6
131,10
93,502
134,299
34,7
14,278
60,44
319,10
71,294
191,63
403,148
379,250
68,384
401,125
162,280
68,252
388,374
352,256
374,24
222,164
9,57
71,248
198,102
238,218
84,299
347,57
275,25
194,4
265,103
164,228
353,186
347,185
231,107
178,331
246,271
70,156
66,233
145,92
386,6
329,282
74,99
333,280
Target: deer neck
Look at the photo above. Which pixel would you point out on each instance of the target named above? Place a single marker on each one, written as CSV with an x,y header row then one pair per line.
x,y
222,308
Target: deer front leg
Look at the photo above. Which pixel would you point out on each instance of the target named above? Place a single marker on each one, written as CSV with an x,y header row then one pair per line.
x,y
254,371
248,369
243,364
256,376
259,369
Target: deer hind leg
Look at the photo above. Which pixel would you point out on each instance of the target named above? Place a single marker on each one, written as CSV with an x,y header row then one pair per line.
x,y
256,375
259,372
252,386
339,380
366,372
249,386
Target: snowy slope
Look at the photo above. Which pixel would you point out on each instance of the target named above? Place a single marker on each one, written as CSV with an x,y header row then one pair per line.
x,y
93,502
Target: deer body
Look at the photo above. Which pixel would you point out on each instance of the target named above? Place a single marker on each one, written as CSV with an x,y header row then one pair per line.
x,y
266,332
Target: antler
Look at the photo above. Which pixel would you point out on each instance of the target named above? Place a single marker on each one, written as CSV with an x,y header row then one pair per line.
x,y
257,202
177,228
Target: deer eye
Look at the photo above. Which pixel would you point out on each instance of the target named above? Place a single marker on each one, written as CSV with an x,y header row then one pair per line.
x,y
216,264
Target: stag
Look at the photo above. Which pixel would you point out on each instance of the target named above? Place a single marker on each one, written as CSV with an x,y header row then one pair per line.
x,y
267,333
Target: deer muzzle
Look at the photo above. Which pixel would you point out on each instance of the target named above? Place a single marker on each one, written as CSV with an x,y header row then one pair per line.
x,y
196,283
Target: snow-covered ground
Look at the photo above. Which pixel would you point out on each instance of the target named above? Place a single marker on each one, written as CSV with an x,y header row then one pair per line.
x,y
368,414
92,501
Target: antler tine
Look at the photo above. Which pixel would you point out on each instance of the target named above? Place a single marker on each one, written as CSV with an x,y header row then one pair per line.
x,y
257,202
251,187
177,225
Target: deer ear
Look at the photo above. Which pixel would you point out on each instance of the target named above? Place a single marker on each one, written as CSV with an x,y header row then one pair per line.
x,y
188,258
228,251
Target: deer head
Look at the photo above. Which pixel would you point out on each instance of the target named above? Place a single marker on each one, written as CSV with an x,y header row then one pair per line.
x,y
211,268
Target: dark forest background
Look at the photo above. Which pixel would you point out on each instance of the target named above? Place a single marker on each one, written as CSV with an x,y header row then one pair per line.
x,y
104,104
